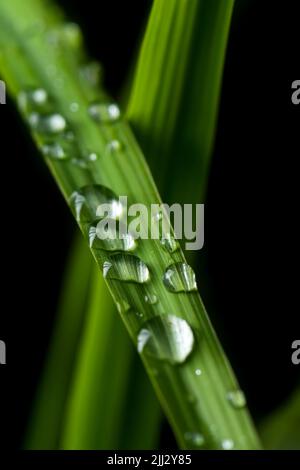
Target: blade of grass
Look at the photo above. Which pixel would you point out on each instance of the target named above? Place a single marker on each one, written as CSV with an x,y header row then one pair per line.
x,y
46,421
281,430
100,376
183,73
221,423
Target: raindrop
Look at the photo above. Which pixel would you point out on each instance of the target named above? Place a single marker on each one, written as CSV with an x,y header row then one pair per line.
x,y
114,146
169,243
227,444
194,438
198,372
92,157
180,277
237,398
110,235
87,200
55,150
47,124
91,72
126,268
74,107
72,35
34,99
168,338
151,299
104,112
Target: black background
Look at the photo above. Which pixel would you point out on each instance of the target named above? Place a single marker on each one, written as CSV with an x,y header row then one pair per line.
x,y
251,213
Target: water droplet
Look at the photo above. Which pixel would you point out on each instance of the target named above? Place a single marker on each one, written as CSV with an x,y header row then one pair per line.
x,y
114,146
127,268
237,398
80,163
123,306
194,438
91,72
151,299
72,35
87,200
92,157
168,338
34,99
111,235
180,277
104,112
74,107
55,150
227,444
198,372
169,243
47,124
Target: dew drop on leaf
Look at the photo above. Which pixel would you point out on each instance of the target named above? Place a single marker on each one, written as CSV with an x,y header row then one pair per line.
x,y
104,112
237,398
87,200
180,277
167,338
47,124
194,438
169,243
126,268
109,235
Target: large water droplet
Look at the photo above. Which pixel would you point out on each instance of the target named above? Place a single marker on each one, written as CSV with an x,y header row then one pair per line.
x,y
111,235
127,268
194,438
47,124
87,200
180,277
104,112
168,338
169,243
237,398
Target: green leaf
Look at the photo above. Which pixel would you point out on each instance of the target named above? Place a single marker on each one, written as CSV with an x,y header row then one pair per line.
x,y
281,429
46,421
180,351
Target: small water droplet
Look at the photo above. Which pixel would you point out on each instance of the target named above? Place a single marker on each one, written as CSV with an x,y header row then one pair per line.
x,y
92,157
227,444
80,163
237,398
194,438
110,235
180,277
72,35
55,150
169,243
126,268
47,124
198,372
91,72
167,337
151,299
104,112
87,200
74,107
123,306
114,146
34,99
